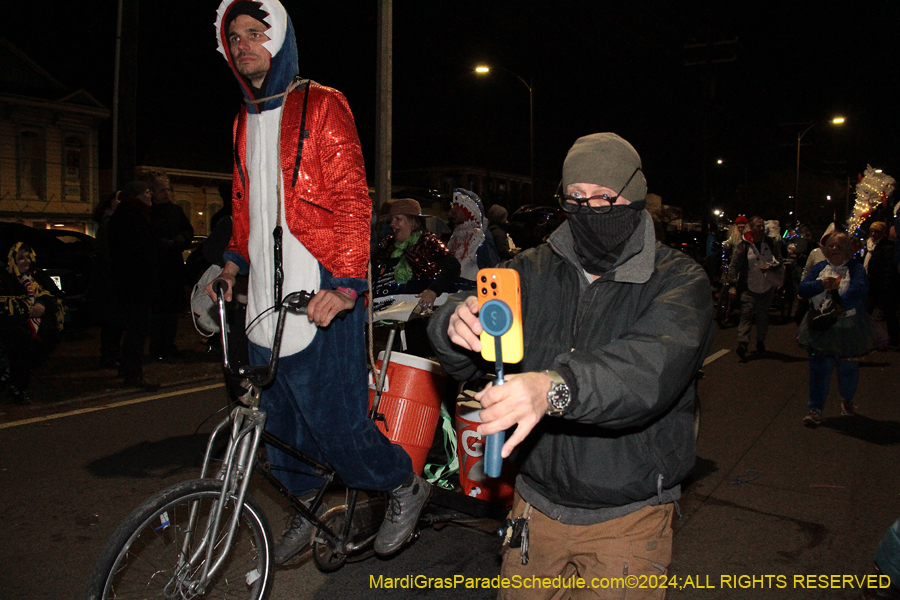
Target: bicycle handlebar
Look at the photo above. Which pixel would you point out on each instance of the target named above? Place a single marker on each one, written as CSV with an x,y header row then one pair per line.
x,y
260,375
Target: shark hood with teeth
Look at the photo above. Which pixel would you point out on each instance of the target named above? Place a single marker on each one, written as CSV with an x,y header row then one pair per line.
x,y
282,45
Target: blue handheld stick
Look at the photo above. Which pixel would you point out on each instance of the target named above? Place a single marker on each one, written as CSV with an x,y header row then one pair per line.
x,y
496,319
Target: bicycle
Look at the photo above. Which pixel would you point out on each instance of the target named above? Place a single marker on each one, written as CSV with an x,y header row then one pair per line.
x,y
209,535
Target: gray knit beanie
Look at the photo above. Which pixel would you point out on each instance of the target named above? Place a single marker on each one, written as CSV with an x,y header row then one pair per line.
x,y
608,160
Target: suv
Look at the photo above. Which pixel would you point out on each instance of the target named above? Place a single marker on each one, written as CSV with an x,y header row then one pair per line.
x,y
68,264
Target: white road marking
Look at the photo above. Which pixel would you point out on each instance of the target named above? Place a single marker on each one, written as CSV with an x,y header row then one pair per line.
x,y
715,356
82,411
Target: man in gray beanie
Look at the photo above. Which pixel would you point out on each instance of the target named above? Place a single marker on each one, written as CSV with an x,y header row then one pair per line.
x,y
616,327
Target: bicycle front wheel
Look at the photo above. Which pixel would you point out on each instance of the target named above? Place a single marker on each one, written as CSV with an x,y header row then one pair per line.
x,y
146,557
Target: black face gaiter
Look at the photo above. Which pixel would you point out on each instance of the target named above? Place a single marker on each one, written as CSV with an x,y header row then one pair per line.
x,y
600,238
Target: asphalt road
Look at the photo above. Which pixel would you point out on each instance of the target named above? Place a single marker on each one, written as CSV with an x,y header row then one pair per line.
x,y
814,502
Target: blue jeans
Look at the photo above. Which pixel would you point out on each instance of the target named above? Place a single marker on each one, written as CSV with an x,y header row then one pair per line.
x,y
820,368
887,555
318,404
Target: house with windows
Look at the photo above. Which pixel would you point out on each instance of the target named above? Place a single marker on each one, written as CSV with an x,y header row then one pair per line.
x,y
49,171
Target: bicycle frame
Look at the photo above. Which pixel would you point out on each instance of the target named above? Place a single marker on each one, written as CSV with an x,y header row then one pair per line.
x,y
246,428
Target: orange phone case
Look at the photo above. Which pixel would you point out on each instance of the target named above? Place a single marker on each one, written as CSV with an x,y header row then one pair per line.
x,y
502,284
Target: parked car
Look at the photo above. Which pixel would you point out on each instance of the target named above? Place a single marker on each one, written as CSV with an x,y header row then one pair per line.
x,y
79,242
530,225
65,256
196,242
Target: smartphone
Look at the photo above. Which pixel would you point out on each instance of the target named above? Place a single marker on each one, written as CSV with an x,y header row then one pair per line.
x,y
502,284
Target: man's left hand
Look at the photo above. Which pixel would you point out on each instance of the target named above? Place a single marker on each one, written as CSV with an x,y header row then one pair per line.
x,y
521,400
326,304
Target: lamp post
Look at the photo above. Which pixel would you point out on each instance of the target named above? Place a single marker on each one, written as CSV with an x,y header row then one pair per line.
x,y
834,121
484,70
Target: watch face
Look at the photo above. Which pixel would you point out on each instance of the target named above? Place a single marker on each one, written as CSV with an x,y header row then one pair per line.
x,y
559,396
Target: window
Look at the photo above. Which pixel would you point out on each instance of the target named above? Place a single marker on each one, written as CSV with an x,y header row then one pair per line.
x,y
31,164
75,169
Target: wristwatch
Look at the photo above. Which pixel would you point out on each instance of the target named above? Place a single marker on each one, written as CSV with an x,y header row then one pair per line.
x,y
559,395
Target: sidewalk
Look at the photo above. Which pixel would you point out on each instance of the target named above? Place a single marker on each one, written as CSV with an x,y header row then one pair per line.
x,y
73,374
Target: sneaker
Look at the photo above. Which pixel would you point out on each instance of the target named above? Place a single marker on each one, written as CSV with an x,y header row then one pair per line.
x,y
847,409
404,504
296,537
813,419
142,383
19,396
760,347
742,352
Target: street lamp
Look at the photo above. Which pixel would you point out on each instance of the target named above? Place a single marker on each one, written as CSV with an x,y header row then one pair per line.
x,y
834,121
484,70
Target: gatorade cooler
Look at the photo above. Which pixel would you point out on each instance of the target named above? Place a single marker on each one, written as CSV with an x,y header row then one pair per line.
x,y
474,482
410,403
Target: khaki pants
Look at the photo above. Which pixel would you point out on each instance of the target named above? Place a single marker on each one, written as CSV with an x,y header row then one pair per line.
x,y
638,544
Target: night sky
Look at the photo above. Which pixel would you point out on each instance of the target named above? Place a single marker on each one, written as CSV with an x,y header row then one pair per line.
x,y
594,66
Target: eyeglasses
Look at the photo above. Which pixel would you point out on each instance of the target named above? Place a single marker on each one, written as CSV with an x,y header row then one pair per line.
x,y
602,203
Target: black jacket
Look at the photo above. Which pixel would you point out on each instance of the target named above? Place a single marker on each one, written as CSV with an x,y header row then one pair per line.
x,y
629,345
884,279
173,232
132,252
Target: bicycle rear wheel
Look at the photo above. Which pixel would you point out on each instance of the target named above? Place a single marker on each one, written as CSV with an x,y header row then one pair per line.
x,y
145,559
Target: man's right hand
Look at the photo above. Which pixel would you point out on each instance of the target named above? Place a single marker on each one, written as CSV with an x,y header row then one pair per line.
x,y
228,275
465,328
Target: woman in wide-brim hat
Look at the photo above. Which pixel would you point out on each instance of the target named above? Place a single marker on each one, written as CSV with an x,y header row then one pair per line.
x,y
412,260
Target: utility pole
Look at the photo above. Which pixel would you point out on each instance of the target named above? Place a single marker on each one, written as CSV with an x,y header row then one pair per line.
x,y
125,94
383,103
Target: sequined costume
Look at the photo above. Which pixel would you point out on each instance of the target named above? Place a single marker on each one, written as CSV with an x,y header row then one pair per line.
x,y
432,265
298,163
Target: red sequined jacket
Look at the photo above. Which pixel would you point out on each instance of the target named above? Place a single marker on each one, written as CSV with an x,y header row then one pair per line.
x,y
326,197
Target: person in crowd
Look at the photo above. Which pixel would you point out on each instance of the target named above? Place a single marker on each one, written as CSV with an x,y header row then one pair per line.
x,y
410,259
884,279
103,299
736,232
133,262
817,254
310,181
756,271
173,232
837,286
604,432
468,242
498,226
32,315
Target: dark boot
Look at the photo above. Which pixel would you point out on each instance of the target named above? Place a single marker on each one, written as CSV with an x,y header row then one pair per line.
x,y
19,395
404,504
761,348
742,352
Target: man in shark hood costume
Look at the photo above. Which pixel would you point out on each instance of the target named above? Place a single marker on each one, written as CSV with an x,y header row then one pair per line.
x,y
298,164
